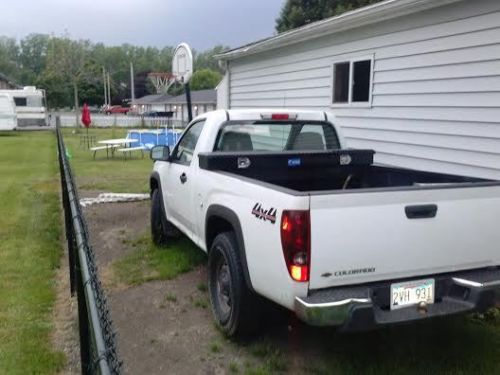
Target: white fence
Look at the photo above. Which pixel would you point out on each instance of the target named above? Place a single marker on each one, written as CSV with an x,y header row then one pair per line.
x,y
122,121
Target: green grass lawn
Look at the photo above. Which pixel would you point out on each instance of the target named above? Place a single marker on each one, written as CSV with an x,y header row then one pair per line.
x,y
30,249
149,262
454,345
107,175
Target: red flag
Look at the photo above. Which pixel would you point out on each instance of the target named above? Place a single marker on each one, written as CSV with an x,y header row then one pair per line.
x,y
86,116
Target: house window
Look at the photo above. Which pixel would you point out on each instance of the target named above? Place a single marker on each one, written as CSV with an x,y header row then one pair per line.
x,y
341,82
352,81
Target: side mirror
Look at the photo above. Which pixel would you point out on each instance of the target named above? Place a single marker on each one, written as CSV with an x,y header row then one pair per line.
x,y
160,153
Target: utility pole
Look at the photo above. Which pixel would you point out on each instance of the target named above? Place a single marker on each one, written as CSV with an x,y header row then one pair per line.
x,y
132,84
109,91
75,94
105,87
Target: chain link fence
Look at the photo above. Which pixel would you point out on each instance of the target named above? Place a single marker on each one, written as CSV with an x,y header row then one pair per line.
x,y
121,121
97,337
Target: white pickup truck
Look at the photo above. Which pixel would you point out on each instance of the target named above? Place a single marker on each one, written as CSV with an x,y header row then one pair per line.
x,y
287,212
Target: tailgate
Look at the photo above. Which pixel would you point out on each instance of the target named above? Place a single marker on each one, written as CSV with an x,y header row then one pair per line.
x,y
371,236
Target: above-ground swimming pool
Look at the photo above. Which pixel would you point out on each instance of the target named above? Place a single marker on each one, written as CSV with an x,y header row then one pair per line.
x,y
151,138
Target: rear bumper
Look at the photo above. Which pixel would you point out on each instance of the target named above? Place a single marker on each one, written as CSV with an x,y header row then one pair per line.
x,y
366,307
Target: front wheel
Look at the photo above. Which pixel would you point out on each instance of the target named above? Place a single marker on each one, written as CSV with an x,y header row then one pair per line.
x,y
161,229
236,309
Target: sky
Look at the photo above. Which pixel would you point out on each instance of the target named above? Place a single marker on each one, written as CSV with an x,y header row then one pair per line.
x,y
201,23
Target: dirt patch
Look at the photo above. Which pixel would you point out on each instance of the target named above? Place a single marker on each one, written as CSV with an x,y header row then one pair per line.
x,y
163,326
111,225
166,327
174,325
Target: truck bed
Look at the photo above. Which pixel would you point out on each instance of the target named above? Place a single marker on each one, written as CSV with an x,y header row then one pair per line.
x,y
313,172
383,223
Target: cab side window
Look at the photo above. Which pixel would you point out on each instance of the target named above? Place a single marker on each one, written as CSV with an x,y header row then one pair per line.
x,y
184,151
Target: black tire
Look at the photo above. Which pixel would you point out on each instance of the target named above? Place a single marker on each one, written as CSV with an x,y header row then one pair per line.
x,y
158,232
236,309
161,229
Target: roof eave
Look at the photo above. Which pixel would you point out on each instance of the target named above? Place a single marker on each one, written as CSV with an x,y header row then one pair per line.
x,y
350,20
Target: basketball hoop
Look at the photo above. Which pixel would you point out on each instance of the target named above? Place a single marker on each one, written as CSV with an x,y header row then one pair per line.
x,y
161,81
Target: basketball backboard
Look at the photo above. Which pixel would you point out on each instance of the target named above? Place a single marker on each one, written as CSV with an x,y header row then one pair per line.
x,y
182,63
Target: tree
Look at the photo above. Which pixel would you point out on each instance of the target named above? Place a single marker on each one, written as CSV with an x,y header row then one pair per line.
x,y
296,13
9,53
56,87
70,60
33,51
71,70
206,60
205,79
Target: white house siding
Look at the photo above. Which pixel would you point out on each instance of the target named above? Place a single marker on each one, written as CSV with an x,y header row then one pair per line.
x,y
436,87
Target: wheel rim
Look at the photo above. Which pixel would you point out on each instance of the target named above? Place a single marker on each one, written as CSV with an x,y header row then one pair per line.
x,y
223,287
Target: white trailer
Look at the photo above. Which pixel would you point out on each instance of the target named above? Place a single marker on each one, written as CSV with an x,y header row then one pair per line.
x,y
8,116
30,105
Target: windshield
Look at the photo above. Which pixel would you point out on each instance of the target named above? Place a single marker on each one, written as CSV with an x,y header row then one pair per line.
x,y
34,101
272,136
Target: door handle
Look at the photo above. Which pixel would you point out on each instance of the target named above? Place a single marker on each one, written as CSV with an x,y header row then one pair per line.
x,y
183,177
424,211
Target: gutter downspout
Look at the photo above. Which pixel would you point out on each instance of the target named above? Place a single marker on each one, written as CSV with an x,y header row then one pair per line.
x,y
224,64
228,85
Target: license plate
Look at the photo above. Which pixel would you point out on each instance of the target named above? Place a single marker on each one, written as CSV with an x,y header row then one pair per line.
x,y
412,293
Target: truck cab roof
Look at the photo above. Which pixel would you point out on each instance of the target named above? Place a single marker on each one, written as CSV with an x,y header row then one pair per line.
x,y
267,113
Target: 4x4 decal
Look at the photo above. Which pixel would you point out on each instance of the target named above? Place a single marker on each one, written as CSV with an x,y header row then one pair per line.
x,y
266,215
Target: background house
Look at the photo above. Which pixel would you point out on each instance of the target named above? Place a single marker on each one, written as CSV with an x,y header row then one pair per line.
x,y
155,102
418,81
202,101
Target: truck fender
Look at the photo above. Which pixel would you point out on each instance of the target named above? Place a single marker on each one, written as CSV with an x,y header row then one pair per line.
x,y
154,183
221,219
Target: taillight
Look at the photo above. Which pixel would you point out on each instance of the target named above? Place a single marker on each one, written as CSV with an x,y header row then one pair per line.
x,y
296,243
278,116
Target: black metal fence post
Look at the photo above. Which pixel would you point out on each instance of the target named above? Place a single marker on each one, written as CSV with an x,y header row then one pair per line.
x,y
83,327
67,215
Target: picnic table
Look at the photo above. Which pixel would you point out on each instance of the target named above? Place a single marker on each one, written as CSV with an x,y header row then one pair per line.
x,y
112,144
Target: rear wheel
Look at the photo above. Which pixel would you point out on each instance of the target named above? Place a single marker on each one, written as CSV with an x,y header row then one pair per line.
x,y
236,309
161,229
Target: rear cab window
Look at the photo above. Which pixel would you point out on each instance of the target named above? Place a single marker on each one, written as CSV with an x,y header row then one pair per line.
x,y
277,136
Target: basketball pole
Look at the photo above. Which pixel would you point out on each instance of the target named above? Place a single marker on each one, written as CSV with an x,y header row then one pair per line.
x,y
188,100
182,69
